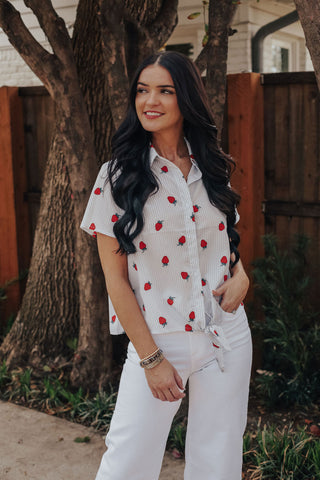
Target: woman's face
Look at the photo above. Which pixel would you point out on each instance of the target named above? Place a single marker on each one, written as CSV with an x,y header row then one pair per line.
x,y
156,101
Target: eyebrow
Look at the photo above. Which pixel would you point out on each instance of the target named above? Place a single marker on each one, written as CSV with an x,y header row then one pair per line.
x,y
159,86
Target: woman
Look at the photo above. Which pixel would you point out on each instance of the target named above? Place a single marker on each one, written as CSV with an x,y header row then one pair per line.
x,y
163,212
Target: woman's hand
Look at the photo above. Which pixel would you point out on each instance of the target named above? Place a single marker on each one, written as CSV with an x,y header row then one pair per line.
x,y
233,290
165,382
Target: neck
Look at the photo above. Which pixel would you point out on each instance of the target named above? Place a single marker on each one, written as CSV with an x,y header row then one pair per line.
x,y
170,145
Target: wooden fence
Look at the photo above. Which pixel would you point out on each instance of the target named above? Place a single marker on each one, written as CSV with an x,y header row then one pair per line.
x,y
272,133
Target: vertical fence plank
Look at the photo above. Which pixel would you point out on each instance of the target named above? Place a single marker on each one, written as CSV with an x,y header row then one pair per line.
x,y
9,268
246,146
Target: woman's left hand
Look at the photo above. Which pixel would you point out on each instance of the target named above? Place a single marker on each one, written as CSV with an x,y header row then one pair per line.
x,y
233,290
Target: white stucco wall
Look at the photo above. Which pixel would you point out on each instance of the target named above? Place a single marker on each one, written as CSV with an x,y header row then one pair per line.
x,y
250,16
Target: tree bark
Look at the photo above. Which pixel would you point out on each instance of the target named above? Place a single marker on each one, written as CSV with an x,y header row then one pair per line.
x,y
220,17
309,15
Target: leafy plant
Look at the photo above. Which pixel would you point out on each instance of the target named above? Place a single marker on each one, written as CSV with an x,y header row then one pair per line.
x,y
97,411
290,332
282,454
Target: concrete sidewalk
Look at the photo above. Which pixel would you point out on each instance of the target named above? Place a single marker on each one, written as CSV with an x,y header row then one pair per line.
x,y
37,446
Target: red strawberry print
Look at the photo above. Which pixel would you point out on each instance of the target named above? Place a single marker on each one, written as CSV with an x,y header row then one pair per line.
x,y
192,316
147,286
115,217
98,191
225,278
192,156
172,200
242,303
135,266
170,300
142,246
162,321
113,318
188,328
143,308
165,261
193,218
217,346
92,226
182,240
224,260
196,208
158,225
164,169
221,226
203,282
94,234
203,244
185,275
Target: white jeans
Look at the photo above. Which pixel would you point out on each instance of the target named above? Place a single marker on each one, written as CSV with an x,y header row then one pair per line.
x,y
217,409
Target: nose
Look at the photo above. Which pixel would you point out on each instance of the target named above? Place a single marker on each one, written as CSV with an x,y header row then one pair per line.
x,y
153,98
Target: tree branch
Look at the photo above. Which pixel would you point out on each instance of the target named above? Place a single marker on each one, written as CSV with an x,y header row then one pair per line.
x,y
55,29
202,58
163,25
41,62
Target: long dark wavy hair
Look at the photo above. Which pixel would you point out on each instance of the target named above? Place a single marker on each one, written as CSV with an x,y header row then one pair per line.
x,y
130,175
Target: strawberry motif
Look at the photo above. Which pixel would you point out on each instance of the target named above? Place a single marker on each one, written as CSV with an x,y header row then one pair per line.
x,y
188,328
196,208
115,217
98,191
221,226
164,169
165,261
162,321
193,218
203,282
172,200
182,240
225,278
185,275
242,303
203,244
217,346
147,286
92,226
192,316
170,300
142,246
113,318
192,156
224,260
94,234
143,308
158,225
135,266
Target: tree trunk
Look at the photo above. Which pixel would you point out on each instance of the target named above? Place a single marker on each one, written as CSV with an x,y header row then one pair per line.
x,y
49,313
220,17
309,14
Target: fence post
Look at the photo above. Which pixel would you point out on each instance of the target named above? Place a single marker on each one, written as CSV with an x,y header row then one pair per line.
x,y
14,223
246,146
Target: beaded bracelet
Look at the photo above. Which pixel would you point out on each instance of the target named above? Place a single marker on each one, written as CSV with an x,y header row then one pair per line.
x,y
152,360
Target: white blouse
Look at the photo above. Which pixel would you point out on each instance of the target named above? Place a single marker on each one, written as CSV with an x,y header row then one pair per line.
x,y
182,252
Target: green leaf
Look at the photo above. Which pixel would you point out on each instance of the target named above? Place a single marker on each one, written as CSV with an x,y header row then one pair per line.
x,y
192,16
82,439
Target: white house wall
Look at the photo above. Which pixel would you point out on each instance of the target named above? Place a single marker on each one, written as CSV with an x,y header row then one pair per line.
x,y
250,16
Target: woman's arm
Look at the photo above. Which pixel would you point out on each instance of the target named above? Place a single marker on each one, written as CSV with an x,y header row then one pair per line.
x,y
164,381
233,290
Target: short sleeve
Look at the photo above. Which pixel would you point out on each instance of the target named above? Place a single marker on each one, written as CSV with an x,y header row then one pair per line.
x,y
237,216
101,212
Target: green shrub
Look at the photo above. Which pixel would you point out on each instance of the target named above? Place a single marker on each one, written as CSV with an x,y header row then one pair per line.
x,y
291,331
